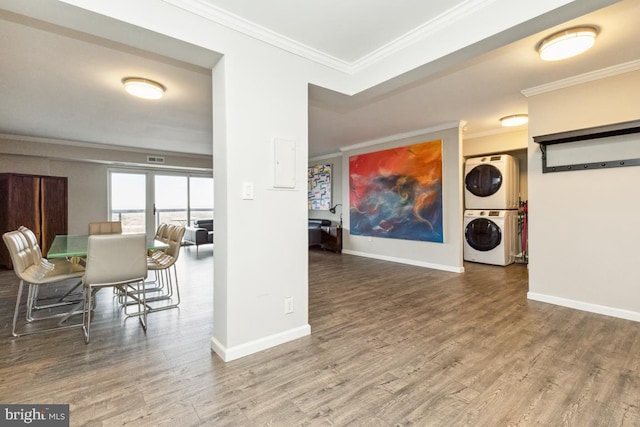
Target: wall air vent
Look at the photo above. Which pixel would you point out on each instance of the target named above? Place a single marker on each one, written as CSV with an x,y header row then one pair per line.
x,y
155,159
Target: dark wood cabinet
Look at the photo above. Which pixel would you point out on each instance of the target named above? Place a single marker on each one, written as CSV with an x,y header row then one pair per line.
x,y
37,202
331,239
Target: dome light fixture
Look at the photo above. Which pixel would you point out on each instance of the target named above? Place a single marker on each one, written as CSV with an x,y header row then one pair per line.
x,y
143,88
514,120
567,43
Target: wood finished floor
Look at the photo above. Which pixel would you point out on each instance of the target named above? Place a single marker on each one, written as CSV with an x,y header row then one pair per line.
x,y
390,345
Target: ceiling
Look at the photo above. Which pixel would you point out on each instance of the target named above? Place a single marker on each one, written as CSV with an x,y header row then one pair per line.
x,y
64,84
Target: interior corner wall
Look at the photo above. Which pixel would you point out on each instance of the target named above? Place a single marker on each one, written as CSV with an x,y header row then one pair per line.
x,y
442,256
583,233
336,189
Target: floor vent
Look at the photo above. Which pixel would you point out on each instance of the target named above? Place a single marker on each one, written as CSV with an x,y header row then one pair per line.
x,y
155,159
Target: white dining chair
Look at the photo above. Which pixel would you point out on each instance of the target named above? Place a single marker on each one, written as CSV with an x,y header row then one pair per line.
x,y
32,270
118,261
163,265
105,227
62,264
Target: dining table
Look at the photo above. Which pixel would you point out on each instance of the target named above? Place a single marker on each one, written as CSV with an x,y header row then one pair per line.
x,y
75,245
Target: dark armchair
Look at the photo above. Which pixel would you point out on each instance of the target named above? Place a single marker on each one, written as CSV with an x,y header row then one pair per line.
x,y
201,233
315,230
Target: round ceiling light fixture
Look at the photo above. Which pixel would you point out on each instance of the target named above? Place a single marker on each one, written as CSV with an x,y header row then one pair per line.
x,y
567,43
143,88
514,120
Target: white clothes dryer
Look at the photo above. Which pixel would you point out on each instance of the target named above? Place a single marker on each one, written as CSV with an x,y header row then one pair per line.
x,y
491,182
490,237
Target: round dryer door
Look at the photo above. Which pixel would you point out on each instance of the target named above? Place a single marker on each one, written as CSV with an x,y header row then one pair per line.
x,y
483,180
483,234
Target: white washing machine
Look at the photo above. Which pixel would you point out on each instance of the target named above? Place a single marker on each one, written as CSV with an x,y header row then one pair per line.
x,y
490,236
491,182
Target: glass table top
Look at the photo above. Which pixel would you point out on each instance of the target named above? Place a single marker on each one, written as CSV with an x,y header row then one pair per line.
x,y
65,246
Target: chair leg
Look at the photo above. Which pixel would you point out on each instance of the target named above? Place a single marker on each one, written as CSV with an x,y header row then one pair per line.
x,y
142,306
60,301
32,292
86,314
32,300
15,313
165,277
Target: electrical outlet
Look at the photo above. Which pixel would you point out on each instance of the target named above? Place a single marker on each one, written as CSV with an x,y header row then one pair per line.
x,y
288,305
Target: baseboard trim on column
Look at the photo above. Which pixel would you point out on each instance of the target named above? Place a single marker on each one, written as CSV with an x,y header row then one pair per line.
x,y
242,350
585,306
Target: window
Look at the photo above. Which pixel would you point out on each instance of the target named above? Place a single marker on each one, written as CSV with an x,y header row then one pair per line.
x,y
143,200
128,201
200,198
171,199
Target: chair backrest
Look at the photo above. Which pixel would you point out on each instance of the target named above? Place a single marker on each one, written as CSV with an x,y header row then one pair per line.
x,y
32,240
21,253
175,241
105,227
115,258
160,231
166,232
168,257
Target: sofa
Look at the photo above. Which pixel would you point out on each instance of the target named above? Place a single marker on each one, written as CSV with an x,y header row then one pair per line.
x,y
201,233
315,230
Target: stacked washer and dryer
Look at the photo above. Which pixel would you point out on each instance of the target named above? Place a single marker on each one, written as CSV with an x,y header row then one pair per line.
x,y
491,215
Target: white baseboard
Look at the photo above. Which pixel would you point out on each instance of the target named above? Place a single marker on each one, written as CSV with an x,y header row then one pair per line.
x,y
406,261
585,306
242,350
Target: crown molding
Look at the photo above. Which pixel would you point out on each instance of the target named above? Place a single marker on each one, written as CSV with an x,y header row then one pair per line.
x,y
423,31
583,78
325,157
237,23
400,136
248,28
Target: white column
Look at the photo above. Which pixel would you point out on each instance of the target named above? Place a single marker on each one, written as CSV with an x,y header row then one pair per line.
x,y
260,227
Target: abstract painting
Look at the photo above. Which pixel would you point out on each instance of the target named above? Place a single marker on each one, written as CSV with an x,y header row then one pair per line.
x,y
319,192
397,193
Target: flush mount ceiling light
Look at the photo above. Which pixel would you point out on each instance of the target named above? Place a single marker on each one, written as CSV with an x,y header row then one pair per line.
x,y
567,43
143,88
514,120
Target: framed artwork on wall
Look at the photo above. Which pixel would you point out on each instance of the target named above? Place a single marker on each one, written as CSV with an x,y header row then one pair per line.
x,y
397,193
319,192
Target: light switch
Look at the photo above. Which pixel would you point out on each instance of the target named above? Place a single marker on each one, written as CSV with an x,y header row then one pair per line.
x,y
247,190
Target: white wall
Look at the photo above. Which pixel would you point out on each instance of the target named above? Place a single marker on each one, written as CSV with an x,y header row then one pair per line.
x,y
583,224
444,256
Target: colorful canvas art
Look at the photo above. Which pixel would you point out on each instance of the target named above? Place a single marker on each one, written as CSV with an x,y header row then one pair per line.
x,y
319,192
397,193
